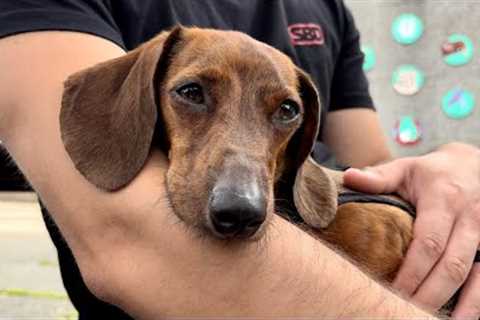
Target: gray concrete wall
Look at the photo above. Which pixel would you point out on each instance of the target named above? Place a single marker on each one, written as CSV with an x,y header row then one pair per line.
x,y
441,18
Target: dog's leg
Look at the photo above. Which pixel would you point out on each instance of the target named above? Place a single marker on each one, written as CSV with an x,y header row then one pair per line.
x,y
376,236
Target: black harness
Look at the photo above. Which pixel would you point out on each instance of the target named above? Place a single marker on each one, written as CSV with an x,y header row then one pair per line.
x,y
358,197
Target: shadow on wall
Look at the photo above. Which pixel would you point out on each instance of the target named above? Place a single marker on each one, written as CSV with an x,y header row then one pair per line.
x,y
424,69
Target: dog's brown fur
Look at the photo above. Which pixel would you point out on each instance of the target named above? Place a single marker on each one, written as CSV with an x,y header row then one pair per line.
x,y
374,235
113,113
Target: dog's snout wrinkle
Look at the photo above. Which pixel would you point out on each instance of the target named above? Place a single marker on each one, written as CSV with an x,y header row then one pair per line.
x,y
242,190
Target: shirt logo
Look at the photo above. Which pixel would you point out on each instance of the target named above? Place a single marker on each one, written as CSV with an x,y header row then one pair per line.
x,y
306,34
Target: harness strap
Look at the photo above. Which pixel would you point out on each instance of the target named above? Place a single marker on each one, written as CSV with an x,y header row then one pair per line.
x,y
353,196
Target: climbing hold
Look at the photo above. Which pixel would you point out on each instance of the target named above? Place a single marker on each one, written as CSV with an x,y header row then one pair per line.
x,y
370,58
458,50
408,80
458,103
407,28
407,131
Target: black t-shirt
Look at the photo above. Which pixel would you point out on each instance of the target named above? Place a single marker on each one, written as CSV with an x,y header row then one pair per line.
x,y
319,35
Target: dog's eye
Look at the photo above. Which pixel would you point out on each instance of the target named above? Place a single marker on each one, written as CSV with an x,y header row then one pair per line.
x,y
192,92
288,111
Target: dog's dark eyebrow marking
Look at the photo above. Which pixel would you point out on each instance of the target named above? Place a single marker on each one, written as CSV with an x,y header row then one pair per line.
x,y
209,74
279,91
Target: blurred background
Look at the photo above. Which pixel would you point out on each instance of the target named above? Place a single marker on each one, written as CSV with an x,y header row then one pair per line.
x,y
444,105
423,64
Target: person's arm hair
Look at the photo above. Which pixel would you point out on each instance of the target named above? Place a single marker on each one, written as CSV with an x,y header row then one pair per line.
x,y
356,137
130,247
173,271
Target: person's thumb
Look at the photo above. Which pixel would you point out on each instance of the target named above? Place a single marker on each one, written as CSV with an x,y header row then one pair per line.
x,y
384,178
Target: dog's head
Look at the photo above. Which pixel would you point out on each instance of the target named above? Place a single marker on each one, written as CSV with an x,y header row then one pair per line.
x,y
233,114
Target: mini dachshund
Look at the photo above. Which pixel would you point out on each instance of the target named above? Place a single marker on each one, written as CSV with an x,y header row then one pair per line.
x,y
238,121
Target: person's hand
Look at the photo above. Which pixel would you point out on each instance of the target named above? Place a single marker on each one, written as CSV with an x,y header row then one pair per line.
x,y
445,188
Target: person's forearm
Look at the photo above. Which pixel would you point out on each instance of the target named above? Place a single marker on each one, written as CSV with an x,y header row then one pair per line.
x,y
356,137
286,274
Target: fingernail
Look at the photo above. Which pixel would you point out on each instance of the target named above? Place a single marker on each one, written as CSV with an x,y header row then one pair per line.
x,y
365,172
356,170
370,173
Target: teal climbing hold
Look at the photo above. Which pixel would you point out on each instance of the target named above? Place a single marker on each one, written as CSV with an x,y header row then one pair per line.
x,y
407,28
458,103
458,50
370,59
407,131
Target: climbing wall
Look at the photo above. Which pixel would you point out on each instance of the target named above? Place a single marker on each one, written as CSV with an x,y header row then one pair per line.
x,y
423,63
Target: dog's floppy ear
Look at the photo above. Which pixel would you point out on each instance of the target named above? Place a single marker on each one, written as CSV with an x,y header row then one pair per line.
x,y
314,191
302,142
109,112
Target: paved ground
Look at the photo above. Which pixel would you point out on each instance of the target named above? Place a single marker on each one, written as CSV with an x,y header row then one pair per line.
x,y
30,284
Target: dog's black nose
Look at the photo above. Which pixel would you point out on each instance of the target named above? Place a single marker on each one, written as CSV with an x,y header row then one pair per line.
x,y
236,213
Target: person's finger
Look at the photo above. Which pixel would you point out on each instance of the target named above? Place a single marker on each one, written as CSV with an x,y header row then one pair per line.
x,y
431,232
452,269
468,306
385,178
